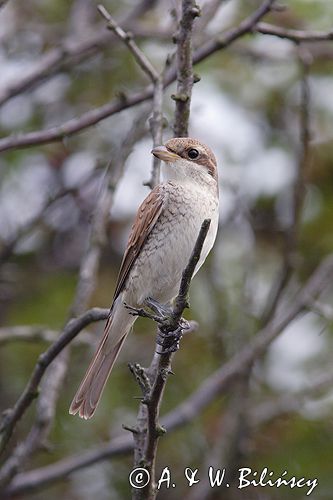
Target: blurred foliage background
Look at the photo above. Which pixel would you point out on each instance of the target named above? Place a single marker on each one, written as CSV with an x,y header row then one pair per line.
x,y
247,109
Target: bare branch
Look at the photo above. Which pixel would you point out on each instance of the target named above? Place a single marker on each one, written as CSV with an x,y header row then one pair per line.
x,y
38,434
324,310
268,411
156,121
292,233
127,38
73,328
156,128
153,382
87,276
233,34
8,247
207,392
52,62
28,482
220,380
76,124
73,51
94,116
37,333
185,78
296,36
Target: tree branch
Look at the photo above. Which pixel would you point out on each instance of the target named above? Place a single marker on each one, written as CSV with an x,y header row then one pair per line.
x,y
156,121
85,286
94,116
246,26
284,404
296,36
221,380
73,328
185,78
37,333
127,38
292,232
153,381
73,51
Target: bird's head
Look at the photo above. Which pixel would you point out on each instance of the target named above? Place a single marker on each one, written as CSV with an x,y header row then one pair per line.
x,y
188,160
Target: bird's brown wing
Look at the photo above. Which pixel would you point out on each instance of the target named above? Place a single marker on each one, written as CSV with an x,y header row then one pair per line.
x,y
146,218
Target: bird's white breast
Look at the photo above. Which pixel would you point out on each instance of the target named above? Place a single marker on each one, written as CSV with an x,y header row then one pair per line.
x,y
165,254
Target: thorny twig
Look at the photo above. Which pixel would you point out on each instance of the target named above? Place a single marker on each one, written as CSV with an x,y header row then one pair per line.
x,y
220,380
264,338
153,380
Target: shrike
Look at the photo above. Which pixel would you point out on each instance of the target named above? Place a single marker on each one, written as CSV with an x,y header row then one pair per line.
x,y
163,235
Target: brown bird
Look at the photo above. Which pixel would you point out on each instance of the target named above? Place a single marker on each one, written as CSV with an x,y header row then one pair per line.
x,y
159,247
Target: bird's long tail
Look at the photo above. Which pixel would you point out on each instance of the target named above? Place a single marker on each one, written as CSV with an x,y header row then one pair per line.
x,y
89,393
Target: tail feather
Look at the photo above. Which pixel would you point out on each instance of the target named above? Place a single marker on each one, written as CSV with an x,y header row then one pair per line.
x,y
89,393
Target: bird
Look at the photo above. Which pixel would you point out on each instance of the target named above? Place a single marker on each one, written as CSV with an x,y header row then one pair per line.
x,y
160,244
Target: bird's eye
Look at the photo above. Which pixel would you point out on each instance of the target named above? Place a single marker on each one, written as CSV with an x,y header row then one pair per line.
x,y
193,154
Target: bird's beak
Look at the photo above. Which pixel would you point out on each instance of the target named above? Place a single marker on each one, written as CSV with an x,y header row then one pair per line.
x,y
162,153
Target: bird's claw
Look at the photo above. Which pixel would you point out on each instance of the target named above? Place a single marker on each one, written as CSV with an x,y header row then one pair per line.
x,y
169,340
134,311
161,310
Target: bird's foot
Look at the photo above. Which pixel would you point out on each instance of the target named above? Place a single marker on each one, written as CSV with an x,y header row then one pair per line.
x,y
169,340
162,310
140,311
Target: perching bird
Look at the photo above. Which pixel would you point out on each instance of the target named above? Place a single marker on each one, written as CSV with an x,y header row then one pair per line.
x,y
159,247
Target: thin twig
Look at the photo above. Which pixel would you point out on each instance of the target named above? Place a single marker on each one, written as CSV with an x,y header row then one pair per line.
x,y
73,328
9,246
284,404
127,38
37,333
208,391
296,36
148,429
185,78
73,51
94,116
156,128
292,233
156,121
85,286
226,39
